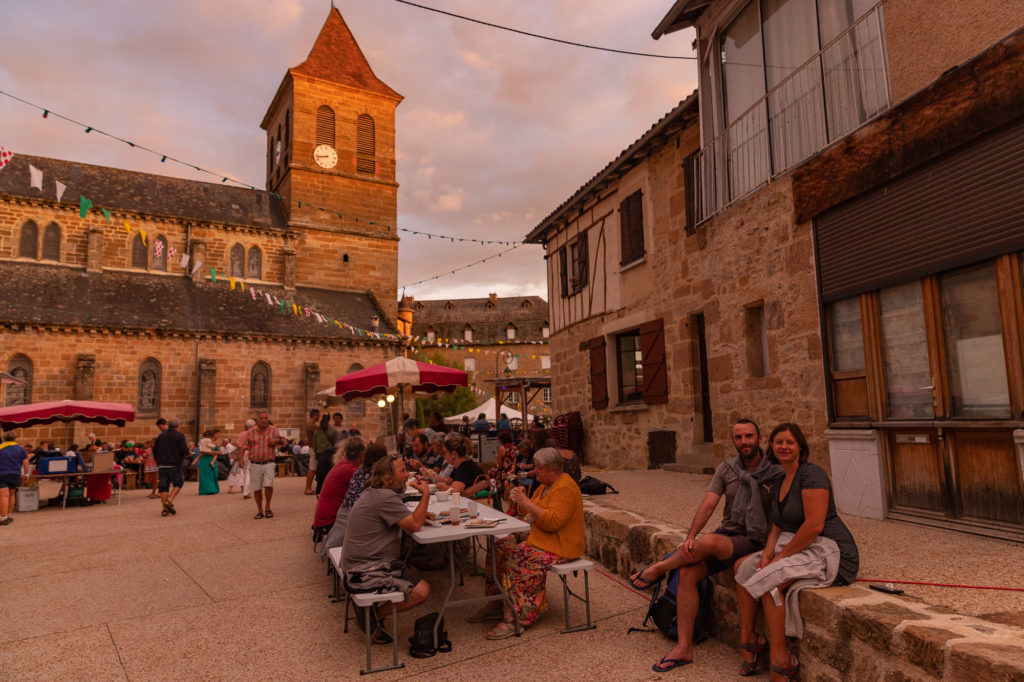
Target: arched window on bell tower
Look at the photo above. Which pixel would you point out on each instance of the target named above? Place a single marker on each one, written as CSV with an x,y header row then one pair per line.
x,y
325,126
366,145
237,261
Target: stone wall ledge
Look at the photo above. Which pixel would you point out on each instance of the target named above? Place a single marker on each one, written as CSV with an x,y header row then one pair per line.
x,y
850,633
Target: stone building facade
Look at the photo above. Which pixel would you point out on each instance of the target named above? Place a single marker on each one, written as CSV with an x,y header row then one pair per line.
x,y
663,341
98,308
488,337
883,139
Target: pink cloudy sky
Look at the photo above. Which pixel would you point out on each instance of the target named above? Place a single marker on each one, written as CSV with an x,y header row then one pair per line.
x,y
496,129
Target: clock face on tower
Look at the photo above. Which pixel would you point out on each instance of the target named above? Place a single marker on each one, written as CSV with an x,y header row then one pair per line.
x,y
325,156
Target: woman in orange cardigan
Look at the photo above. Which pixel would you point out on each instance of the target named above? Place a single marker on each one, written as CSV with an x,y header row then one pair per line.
x,y
555,514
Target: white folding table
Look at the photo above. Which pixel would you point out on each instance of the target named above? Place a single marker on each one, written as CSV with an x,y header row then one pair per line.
x,y
430,535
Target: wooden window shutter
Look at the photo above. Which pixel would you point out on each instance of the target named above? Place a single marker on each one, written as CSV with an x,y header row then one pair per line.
x,y
652,350
598,374
324,125
563,271
690,192
366,145
631,228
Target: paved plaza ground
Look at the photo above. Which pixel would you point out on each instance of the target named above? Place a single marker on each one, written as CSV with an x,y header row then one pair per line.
x,y
113,592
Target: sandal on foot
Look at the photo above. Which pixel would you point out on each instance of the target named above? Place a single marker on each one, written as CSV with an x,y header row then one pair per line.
x,y
381,636
789,671
749,668
269,514
169,506
638,581
500,633
258,516
164,512
666,664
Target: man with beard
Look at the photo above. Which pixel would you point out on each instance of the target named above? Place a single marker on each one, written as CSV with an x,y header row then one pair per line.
x,y
745,481
372,556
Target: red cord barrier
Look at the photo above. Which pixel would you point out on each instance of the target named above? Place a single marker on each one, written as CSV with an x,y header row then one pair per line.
x,y
912,582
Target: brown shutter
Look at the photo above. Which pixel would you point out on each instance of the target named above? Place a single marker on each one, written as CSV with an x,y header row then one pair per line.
x,y
563,271
631,228
690,192
598,374
652,350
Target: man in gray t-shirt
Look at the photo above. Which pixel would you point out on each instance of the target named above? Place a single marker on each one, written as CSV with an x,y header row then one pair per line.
x,y
712,552
373,537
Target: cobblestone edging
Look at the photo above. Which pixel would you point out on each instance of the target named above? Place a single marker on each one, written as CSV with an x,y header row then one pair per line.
x,y
850,633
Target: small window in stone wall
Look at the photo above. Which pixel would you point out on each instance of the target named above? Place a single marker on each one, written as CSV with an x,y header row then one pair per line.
x,y
259,386
149,386
140,258
255,270
19,367
51,242
325,125
160,253
237,261
356,408
28,245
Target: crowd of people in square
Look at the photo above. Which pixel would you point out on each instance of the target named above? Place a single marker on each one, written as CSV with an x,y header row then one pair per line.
x,y
779,534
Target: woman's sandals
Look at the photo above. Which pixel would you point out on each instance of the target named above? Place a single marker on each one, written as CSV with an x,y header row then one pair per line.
x,y
749,668
790,671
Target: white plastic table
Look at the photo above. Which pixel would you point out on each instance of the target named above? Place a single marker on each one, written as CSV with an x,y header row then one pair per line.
x,y
430,535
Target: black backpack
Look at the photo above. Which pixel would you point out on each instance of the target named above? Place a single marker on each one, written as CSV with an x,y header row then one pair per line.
x,y
662,610
421,644
592,486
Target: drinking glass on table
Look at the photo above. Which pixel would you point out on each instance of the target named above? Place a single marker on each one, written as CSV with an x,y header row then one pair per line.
x,y
453,515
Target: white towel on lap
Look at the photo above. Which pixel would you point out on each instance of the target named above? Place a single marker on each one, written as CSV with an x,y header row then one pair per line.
x,y
815,566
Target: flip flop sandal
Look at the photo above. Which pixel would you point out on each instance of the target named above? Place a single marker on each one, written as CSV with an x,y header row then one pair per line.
x,y
641,583
672,664
259,516
269,514
790,671
164,513
749,668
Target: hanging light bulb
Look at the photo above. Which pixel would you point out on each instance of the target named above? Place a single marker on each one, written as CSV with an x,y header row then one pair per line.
x,y
391,398
381,403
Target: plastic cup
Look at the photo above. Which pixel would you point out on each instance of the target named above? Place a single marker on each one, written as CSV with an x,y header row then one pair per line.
x,y
471,507
442,496
454,515
456,498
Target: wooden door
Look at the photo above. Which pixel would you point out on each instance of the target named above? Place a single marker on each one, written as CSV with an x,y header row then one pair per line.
x,y
988,482
918,475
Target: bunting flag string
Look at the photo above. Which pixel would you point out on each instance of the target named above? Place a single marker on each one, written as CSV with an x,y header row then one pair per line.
x,y
225,179
463,267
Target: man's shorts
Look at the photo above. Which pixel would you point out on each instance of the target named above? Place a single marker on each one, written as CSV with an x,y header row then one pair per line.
x,y
408,573
261,475
169,477
741,547
11,481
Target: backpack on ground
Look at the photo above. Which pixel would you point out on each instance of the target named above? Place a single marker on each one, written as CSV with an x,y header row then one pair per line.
x,y
662,610
592,486
421,644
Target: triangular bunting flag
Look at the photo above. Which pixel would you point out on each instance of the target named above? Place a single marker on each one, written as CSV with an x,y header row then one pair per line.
x,y
145,237
127,227
83,206
35,177
106,214
60,189
5,157
184,262
195,268
213,275
231,283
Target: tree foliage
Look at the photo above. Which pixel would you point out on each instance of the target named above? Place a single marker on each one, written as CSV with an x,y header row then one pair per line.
x,y
448,404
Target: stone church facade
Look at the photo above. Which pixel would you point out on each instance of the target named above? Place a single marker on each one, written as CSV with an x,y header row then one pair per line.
x,y
98,308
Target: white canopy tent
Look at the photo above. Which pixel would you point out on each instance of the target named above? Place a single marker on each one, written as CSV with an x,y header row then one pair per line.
x,y
488,408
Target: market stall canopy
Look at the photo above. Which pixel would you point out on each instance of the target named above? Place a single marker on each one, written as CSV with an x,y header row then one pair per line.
x,y
398,375
488,407
34,414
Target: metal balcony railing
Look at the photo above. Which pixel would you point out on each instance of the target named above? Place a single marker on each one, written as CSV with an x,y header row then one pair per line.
x,y
837,90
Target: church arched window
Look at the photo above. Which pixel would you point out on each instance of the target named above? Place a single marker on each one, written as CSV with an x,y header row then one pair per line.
x,y
259,386
237,261
325,125
149,386
366,145
20,367
160,253
51,242
28,246
255,270
355,408
140,258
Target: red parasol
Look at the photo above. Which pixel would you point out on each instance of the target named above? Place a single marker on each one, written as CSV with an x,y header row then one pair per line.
x,y
23,416
400,375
